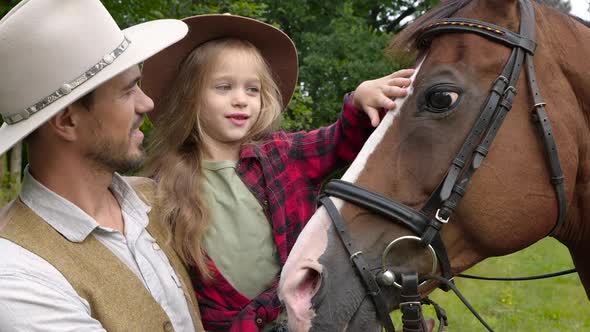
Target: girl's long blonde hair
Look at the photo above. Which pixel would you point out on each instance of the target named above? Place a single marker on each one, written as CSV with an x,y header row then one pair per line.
x,y
175,151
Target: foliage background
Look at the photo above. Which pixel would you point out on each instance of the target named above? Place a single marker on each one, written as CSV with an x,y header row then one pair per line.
x,y
340,44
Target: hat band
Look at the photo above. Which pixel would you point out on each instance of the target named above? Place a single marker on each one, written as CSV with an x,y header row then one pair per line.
x,y
66,88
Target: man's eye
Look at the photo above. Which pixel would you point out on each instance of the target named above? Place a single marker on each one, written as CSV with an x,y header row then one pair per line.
x,y
130,91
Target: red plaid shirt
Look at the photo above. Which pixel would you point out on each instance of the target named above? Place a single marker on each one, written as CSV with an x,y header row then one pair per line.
x,y
285,175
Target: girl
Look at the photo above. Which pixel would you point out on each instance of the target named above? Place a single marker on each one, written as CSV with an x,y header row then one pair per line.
x,y
235,193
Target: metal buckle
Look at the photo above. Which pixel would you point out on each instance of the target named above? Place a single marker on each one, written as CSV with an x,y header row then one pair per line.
x,y
409,303
501,78
440,219
537,105
353,256
510,89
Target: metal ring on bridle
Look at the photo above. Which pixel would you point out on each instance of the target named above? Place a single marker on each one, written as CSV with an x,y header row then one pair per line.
x,y
408,237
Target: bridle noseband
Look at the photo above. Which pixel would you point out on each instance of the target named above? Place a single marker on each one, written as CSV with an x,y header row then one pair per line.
x,y
428,222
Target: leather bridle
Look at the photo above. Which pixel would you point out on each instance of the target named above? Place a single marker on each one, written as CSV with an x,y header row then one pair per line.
x,y
428,222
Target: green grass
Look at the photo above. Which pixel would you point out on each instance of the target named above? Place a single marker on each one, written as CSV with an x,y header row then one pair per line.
x,y
556,304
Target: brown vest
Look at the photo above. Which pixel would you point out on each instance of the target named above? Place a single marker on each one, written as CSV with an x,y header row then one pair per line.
x,y
117,298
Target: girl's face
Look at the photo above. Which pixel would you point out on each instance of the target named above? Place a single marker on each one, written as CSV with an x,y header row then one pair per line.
x,y
232,101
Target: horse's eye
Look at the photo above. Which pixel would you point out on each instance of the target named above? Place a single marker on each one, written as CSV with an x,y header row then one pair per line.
x,y
441,98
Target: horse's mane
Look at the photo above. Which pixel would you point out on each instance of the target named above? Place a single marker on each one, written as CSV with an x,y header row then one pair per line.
x,y
586,23
405,41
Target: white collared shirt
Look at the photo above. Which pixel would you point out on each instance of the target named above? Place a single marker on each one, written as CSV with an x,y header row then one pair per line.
x,y
34,296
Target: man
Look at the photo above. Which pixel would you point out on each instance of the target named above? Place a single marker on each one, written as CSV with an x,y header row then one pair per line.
x,y
78,251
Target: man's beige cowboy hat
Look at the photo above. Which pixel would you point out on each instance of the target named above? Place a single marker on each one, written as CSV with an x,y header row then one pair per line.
x,y
275,46
52,52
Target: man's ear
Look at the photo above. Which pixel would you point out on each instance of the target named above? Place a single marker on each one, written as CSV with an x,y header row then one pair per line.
x,y
66,123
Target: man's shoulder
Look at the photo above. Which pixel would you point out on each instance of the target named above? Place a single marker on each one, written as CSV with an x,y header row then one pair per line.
x,y
13,254
15,257
29,284
21,263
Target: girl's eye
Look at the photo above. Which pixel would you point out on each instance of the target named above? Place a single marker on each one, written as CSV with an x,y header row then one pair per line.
x,y
253,89
442,98
223,87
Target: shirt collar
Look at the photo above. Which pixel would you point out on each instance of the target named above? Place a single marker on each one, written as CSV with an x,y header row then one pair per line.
x,y
247,151
67,218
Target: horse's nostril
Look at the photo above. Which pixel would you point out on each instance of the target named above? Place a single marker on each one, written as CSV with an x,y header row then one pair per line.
x,y
298,289
310,283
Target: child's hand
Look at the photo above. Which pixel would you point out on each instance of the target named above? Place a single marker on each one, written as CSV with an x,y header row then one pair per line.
x,y
373,95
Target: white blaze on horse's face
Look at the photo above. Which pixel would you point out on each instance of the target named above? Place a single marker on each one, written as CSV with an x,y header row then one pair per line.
x,y
300,279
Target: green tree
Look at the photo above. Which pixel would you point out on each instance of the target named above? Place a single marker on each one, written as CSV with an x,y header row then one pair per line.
x,y
130,12
340,43
6,5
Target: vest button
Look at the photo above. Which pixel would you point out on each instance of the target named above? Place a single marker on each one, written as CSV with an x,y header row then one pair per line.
x,y
168,326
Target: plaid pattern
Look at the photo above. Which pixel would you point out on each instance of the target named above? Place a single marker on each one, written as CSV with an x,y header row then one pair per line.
x,y
285,174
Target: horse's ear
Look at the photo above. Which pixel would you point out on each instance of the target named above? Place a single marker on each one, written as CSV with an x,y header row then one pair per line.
x,y
507,10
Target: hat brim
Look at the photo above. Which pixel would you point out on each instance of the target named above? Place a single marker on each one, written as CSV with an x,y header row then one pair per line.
x,y
146,40
275,46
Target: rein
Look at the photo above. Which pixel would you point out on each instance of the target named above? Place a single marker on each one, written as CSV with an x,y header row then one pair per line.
x,y
528,278
428,222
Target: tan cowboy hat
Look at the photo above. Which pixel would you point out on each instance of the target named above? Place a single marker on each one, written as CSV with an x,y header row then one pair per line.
x,y
55,51
275,46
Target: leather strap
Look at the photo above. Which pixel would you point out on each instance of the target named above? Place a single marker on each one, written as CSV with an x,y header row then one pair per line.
x,y
362,268
480,152
542,120
441,314
488,30
412,318
392,210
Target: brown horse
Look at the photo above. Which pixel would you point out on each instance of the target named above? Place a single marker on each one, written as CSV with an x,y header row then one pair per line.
x,y
508,204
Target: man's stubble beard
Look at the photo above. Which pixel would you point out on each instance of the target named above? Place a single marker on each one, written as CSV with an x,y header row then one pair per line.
x,y
115,156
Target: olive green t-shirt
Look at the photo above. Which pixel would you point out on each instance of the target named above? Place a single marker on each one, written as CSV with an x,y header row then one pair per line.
x,y
240,239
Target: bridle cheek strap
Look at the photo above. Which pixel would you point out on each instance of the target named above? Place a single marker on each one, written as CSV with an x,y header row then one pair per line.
x,y
356,258
410,306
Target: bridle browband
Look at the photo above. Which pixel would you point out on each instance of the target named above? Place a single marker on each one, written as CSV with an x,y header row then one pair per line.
x,y
428,222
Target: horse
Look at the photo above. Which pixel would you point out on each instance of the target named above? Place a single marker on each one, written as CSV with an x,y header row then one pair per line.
x,y
429,195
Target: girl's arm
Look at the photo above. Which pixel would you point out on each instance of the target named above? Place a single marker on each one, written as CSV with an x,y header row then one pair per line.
x,y
322,151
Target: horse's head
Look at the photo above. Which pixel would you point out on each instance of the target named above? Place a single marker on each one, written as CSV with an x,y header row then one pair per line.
x,y
503,204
